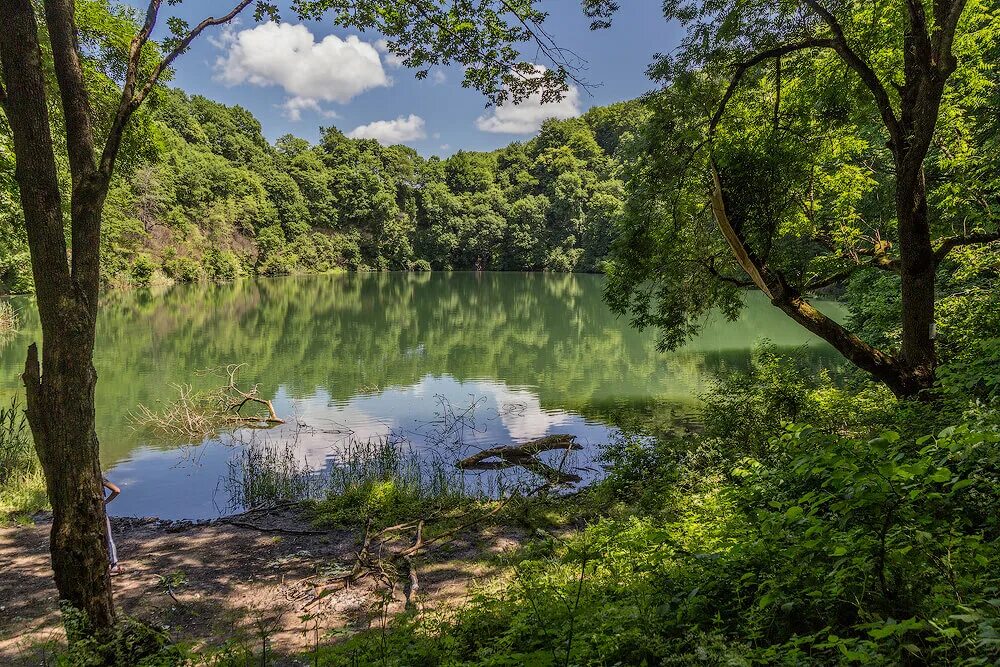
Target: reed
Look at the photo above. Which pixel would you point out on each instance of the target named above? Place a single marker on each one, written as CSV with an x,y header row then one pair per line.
x,y
22,485
267,473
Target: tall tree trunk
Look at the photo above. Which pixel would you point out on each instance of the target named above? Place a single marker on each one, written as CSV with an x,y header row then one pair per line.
x,y
917,275
60,408
60,390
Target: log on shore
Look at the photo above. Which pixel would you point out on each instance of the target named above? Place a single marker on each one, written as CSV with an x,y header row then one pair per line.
x,y
525,455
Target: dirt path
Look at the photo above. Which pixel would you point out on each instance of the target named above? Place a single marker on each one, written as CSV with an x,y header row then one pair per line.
x,y
209,583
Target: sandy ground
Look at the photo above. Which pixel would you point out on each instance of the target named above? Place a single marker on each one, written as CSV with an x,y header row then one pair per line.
x,y
208,583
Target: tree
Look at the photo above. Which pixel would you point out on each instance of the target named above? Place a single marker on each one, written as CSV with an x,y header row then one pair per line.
x,y
803,132
60,386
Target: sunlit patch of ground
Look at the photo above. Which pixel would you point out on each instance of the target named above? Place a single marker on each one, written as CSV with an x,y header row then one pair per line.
x,y
209,584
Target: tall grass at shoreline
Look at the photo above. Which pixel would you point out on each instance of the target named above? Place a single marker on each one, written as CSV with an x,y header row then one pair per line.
x,y
384,479
22,485
266,474
379,479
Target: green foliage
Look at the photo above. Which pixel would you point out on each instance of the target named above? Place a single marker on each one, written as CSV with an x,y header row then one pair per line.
x,y
22,487
795,148
182,269
384,481
131,643
831,550
214,200
142,270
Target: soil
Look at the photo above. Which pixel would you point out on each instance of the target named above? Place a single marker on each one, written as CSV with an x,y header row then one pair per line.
x,y
211,582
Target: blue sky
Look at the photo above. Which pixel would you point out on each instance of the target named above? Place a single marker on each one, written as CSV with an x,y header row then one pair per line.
x,y
296,78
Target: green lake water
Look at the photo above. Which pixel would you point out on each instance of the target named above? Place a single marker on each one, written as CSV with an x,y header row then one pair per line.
x,y
356,356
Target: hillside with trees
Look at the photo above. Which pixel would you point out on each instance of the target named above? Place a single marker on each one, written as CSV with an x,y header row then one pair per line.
x,y
205,196
831,156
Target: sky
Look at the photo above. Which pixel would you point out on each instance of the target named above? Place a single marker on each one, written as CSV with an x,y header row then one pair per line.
x,y
297,77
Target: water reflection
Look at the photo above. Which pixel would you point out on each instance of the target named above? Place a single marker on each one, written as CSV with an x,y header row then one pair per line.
x,y
364,354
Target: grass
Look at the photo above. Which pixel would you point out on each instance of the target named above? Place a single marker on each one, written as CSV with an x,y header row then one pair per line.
x,y
382,479
22,485
385,480
266,474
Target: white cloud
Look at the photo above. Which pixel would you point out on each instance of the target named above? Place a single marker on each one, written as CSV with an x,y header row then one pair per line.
x,y
527,116
391,59
294,106
439,77
389,132
331,70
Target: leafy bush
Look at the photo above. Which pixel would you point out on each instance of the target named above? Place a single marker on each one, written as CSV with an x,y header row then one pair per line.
x,y
831,550
221,265
142,270
421,265
131,643
182,269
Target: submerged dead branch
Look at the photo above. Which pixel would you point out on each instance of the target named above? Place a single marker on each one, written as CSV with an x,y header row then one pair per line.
x,y
195,415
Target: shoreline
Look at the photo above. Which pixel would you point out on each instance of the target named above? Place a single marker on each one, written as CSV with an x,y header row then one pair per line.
x,y
211,582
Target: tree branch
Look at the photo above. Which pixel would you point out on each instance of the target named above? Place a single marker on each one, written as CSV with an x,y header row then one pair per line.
x,y
709,264
72,89
742,68
772,283
130,99
27,113
950,243
867,74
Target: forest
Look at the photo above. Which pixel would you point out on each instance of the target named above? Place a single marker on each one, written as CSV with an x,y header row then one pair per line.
x,y
205,196
832,164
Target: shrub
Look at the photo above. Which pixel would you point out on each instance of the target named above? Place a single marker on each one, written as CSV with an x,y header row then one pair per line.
x,y
15,273
421,265
221,265
131,643
182,269
142,270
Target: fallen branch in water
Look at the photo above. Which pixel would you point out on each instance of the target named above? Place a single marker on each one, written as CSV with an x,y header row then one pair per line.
x,y
195,415
525,455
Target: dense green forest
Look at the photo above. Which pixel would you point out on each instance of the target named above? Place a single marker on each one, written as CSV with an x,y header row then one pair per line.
x,y
815,512
207,197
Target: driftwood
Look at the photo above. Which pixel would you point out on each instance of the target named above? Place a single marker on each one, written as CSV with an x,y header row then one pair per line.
x,y
194,415
525,455
387,568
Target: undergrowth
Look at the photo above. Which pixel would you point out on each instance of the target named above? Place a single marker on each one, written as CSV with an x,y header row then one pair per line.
x,y
22,485
757,541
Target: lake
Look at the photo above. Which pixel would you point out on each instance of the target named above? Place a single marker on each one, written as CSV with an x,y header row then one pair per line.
x,y
350,357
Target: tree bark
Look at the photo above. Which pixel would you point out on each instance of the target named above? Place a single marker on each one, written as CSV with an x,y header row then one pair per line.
x,y
917,277
60,409
60,390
